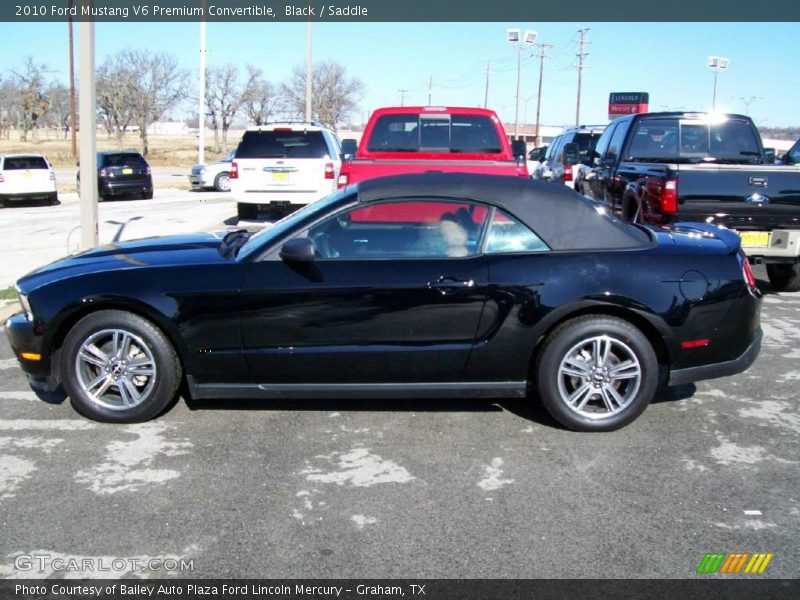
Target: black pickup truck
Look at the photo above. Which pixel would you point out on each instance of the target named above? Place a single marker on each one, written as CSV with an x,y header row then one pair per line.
x,y
662,168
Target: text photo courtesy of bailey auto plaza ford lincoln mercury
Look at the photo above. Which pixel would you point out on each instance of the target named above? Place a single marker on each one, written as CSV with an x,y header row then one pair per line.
x,y
378,300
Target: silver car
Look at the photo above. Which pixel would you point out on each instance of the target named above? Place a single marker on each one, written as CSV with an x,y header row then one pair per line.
x,y
215,175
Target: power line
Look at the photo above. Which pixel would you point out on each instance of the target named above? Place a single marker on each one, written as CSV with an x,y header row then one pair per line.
x,y
402,97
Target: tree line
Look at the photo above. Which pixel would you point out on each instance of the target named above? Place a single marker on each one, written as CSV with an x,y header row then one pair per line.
x,y
136,88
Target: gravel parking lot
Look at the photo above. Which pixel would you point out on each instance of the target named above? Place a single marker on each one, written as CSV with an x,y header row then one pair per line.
x,y
411,489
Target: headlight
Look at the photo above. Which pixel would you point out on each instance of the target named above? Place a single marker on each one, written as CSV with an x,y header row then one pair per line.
x,y
25,304
202,170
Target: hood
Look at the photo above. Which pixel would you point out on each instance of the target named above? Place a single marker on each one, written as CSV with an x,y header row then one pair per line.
x,y
200,248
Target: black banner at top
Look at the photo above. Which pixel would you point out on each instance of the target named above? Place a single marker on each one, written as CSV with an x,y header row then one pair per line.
x,y
394,10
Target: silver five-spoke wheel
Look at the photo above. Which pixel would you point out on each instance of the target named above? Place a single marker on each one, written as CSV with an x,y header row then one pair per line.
x,y
599,377
116,369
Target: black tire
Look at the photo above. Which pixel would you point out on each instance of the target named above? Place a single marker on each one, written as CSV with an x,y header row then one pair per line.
x,y
572,339
784,278
147,195
147,345
246,212
222,182
53,200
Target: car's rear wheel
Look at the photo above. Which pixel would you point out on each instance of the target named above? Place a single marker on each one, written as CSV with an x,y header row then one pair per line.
x,y
147,195
246,212
596,373
53,200
222,182
784,278
118,367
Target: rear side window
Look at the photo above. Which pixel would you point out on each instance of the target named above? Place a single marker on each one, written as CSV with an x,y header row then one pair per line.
x,y
114,160
411,132
20,163
282,144
506,234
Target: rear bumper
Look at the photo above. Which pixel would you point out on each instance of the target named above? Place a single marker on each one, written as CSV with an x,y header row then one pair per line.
x,y
722,369
280,197
121,188
783,243
22,197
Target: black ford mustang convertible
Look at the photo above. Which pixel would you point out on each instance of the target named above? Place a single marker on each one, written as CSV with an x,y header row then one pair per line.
x,y
435,285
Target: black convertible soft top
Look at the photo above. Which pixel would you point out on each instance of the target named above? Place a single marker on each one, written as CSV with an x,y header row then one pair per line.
x,y
564,219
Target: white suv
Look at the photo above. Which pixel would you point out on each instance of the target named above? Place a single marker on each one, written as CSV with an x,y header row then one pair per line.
x,y
281,164
27,177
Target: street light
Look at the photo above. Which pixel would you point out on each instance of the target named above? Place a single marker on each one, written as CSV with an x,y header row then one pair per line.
x,y
717,64
529,39
747,102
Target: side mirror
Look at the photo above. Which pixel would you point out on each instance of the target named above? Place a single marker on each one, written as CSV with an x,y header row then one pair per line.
x,y
298,250
349,148
571,154
769,156
518,149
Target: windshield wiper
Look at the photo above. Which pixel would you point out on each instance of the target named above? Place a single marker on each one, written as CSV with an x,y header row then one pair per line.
x,y
233,240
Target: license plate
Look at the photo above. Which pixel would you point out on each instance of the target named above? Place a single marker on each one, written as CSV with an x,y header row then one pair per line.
x,y
280,177
755,239
127,171
27,175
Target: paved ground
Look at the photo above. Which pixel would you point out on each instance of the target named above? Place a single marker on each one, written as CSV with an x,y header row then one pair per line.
x,y
417,489
36,235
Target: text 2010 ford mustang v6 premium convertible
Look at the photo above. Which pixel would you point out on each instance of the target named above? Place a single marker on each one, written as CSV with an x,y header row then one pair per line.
x,y
434,285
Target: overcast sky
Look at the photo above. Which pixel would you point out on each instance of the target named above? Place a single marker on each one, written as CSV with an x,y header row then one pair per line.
x,y
667,60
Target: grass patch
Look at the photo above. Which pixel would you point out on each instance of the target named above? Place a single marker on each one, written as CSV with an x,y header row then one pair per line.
x,y
10,293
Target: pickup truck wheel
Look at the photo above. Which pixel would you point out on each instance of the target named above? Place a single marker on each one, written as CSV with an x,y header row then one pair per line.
x,y
118,367
222,182
784,278
596,373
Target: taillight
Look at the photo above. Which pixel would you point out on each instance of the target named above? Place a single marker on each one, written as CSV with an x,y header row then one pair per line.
x,y
52,176
234,170
669,197
147,170
2,179
103,174
342,181
329,173
567,172
749,279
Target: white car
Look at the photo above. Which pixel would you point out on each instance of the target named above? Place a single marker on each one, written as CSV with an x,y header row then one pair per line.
x,y
283,164
215,175
26,177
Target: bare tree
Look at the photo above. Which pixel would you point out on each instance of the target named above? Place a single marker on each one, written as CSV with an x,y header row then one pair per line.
x,y
223,99
335,95
141,87
260,98
115,81
32,102
58,117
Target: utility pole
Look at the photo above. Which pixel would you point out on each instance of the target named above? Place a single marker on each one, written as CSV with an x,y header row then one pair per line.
x,y
88,108
581,55
430,89
537,141
309,71
73,117
402,97
486,92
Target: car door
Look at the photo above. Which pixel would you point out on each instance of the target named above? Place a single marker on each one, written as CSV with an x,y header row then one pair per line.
x,y
394,296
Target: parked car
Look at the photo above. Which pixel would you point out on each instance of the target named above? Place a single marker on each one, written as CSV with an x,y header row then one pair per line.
x,y
283,164
430,285
417,139
122,173
215,175
555,168
689,166
535,158
25,177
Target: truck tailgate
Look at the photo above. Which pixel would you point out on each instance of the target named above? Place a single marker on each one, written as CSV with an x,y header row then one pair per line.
x,y
742,197
367,168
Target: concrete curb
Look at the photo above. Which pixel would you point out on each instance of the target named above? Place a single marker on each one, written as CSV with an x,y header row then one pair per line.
x,y
9,310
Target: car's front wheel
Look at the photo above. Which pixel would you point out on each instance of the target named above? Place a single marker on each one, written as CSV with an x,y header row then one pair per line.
x,y
596,373
118,367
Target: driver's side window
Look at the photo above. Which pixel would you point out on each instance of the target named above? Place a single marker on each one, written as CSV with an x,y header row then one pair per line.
x,y
401,229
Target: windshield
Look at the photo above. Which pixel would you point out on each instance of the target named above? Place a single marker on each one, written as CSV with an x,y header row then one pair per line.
x,y
412,132
730,141
264,238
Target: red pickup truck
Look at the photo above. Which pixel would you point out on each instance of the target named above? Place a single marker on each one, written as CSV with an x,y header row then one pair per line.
x,y
418,139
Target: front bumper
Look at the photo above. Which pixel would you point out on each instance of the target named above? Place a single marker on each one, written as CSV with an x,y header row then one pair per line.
x,y
199,182
22,336
722,369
